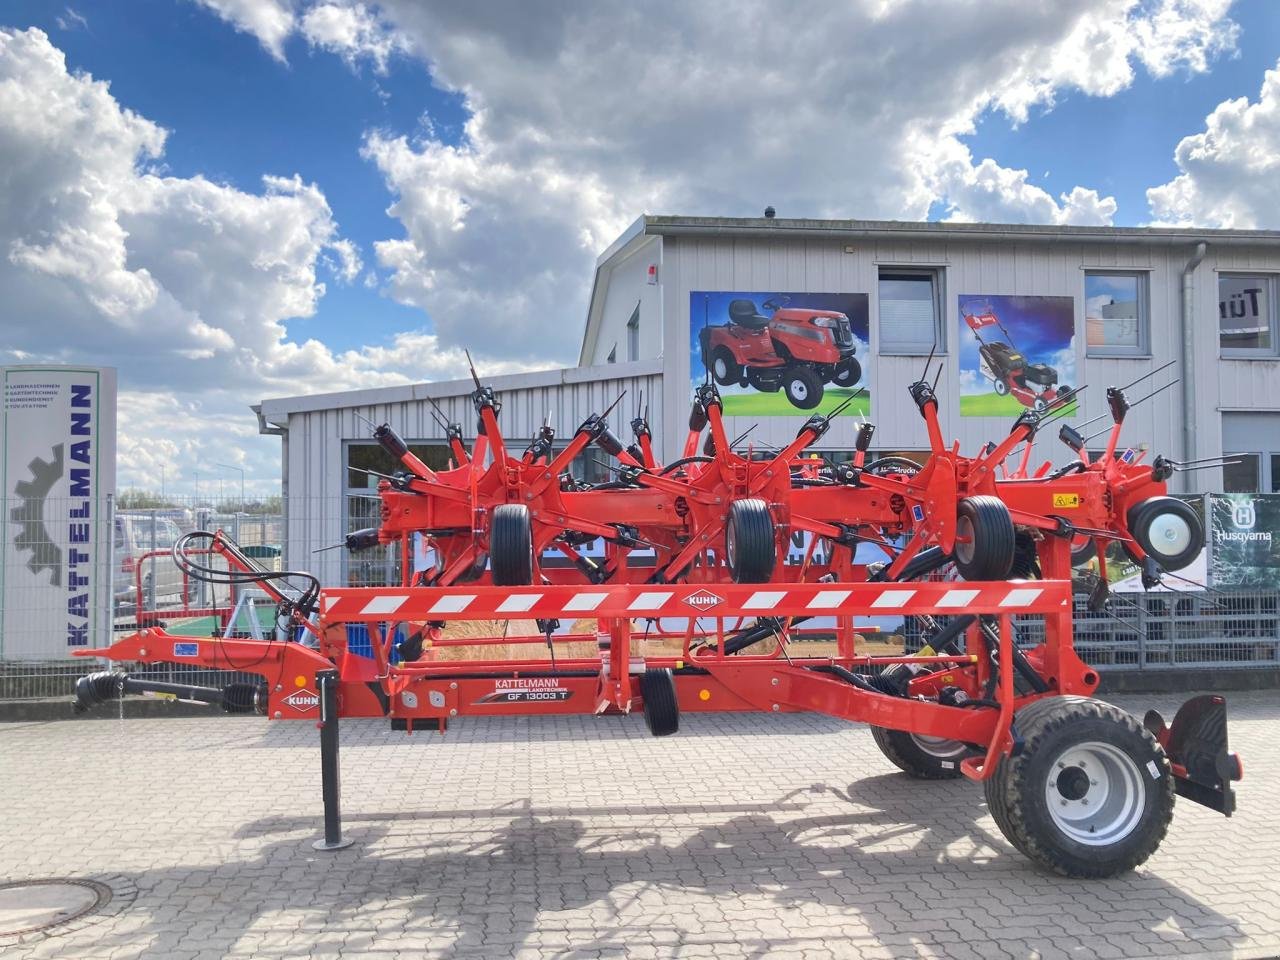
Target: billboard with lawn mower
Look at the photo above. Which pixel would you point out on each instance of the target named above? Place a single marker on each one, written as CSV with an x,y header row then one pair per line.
x,y
777,354
1016,353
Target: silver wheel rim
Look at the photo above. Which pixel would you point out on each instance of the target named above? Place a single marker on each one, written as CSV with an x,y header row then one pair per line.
x,y
964,540
722,371
730,545
939,747
1094,794
1169,534
799,390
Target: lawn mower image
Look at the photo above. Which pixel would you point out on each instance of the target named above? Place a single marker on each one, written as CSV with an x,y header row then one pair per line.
x,y
795,349
1033,385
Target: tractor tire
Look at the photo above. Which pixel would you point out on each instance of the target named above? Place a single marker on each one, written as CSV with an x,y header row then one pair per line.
x,y
985,539
749,547
1168,530
925,758
661,708
803,387
511,546
725,370
1001,388
847,373
1089,795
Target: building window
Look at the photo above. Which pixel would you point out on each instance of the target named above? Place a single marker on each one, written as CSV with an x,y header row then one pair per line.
x,y
1116,320
633,334
1247,315
1243,476
613,355
910,311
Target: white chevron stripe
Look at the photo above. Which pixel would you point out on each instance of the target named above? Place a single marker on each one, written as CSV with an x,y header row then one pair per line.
x,y
957,598
764,600
893,599
384,604
585,601
454,604
1021,597
828,599
518,603
650,600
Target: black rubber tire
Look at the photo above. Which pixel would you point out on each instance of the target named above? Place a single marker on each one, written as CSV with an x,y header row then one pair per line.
x,y
661,708
749,548
909,754
1026,559
990,554
511,546
1080,555
887,465
1016,792
803,387
847,373
1140,518
733,369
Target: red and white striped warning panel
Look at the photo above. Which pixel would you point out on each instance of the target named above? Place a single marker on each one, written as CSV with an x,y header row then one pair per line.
x,y
684,600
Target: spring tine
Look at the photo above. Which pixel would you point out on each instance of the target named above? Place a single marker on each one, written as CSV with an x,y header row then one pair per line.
x,y
1146,376
929,361
742,436
1154,392
474,376
936,377
1207,466
609,410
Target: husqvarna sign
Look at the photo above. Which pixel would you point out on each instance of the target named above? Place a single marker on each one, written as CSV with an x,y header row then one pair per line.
x,y
57,481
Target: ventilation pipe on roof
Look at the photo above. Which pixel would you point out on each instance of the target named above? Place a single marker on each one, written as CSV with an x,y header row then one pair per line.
x,y
1188,354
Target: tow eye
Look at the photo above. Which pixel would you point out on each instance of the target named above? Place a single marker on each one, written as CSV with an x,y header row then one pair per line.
x,y
1196,744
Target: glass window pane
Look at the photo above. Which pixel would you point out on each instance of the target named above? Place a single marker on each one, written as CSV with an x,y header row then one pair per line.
x,y
1112,310
1241,477
907,311
371,456
1275,473
1244,313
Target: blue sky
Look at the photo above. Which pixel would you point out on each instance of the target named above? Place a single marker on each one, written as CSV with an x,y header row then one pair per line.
x,y
444,175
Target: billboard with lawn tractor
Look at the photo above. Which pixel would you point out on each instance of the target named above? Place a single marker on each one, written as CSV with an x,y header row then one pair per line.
x,y
777,354
1016,353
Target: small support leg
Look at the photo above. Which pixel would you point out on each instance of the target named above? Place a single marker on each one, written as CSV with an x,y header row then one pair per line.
x,y
330,779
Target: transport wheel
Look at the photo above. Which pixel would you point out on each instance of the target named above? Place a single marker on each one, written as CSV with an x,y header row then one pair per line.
x,y
846,373
1168,530
925,758
661,709
748,541
511,546
803,386
1083,549
985,539
1002,388
1090,793
724,368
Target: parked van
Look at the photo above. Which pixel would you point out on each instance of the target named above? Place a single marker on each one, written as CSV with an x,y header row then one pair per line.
x,y
137,534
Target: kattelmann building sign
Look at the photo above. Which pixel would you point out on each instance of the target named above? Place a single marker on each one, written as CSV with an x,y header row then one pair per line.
x,y
57,479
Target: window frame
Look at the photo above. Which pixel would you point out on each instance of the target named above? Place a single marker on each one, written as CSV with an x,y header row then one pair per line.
x,y
937,275
1143,347
1272,281
633,334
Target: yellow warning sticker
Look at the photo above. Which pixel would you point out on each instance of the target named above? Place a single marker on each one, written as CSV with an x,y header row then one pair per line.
x,y
1070,500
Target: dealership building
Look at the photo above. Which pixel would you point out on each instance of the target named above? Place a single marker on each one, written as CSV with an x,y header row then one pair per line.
x,y
792,317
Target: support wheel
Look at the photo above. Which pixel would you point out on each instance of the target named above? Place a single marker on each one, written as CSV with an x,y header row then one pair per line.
x,y
925,758
749,548
724,368
803,386
511,546
1168,530
984,539
1089,795
661,709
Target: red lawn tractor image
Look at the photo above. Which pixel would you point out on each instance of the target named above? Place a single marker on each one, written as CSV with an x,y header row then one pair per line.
x,y
1033,385
794,349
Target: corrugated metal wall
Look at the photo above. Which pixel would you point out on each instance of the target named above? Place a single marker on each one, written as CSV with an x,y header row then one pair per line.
x,y
981,268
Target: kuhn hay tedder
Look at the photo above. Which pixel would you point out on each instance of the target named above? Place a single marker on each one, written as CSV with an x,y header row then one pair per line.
x,y
1076,784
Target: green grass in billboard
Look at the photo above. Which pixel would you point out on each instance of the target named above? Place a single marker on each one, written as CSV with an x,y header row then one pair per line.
x,y
994,405
777,404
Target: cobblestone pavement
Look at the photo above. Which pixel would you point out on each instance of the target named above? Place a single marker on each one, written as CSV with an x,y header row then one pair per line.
x,y
743,836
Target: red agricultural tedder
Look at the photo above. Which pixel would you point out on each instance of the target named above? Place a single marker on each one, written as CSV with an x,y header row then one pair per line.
x,y
694,552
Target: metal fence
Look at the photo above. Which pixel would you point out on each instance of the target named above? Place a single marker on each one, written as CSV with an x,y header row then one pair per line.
x,y
1150,631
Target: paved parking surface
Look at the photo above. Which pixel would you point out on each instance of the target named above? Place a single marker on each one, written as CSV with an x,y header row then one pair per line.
x,y
743,836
